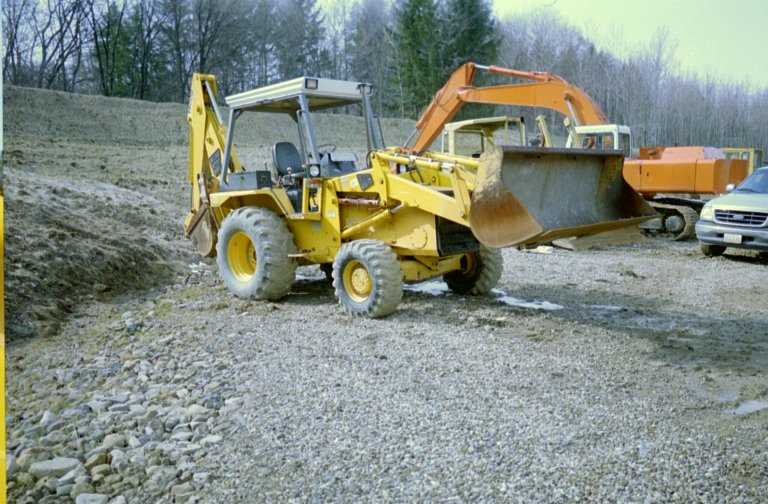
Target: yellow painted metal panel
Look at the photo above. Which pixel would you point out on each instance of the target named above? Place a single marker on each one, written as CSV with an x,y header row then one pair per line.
x,y
418,269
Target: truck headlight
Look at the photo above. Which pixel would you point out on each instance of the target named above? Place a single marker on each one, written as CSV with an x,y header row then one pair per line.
x,y
314,171
707,213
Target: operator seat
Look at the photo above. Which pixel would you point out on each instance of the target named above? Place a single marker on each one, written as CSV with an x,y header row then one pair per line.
x,y
285,155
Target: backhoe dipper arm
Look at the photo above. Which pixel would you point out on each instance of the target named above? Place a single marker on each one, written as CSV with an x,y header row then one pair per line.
x,y
545,91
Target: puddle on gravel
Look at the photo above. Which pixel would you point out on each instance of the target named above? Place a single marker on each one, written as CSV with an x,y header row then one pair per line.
x,y
605,307
727,396
439,288
659,324
747,407
433,288
505,298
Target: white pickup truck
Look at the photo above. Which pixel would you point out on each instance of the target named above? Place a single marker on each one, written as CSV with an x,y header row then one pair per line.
x,y
738,219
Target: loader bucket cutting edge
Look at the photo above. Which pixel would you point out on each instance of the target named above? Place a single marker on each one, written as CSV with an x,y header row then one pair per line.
x,y
527,196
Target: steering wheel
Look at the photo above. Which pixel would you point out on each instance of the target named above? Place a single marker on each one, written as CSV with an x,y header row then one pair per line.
x,y
327,148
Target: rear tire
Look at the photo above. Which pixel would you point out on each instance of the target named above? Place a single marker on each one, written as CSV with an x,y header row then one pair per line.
x,y
367,278
712,250
481,274
252,253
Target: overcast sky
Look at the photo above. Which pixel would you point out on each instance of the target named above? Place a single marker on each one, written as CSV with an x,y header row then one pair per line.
x,y
726,38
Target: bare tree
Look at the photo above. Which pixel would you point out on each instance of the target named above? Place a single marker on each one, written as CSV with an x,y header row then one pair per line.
x,y
108,30
16,32
146,28
56,30
176,13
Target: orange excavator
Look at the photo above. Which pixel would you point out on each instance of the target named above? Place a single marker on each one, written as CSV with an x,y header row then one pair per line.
x,y
545,91
672,179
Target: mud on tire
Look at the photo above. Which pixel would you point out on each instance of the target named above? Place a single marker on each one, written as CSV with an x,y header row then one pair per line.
x,y
375,296
481,275
252,253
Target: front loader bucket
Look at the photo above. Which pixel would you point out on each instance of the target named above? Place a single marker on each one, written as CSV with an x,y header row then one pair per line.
x,y
527,196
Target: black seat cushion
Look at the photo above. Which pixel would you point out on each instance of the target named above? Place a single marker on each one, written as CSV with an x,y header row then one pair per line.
x,y
285,155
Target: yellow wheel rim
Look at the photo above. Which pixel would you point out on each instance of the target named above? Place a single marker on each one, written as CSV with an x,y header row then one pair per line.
x,y
241,256
469,265
357,281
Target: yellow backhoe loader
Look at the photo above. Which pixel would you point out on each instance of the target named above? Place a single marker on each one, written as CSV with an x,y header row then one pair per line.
x,y
400,214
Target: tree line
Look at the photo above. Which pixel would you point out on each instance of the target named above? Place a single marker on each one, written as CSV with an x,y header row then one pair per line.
x,y
148,49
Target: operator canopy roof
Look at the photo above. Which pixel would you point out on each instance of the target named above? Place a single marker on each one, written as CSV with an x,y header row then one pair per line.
x,y
283,96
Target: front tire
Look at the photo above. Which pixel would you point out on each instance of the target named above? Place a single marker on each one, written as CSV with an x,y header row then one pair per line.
x,y
367,278
253,254
480,272
712,250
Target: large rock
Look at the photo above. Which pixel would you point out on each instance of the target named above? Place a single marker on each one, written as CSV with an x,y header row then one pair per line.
x,y
96,459
113,441
56,467
70,477
80,488
91,498
10,464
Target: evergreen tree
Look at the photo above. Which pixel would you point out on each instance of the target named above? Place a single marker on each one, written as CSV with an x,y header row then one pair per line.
x,y
369,48
298,43
470,32
418,72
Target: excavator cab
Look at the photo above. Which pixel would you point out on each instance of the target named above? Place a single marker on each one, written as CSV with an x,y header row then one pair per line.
x,y
604,137
473,136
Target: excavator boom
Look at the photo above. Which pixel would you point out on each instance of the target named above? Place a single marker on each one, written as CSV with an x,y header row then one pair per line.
x,y
545,90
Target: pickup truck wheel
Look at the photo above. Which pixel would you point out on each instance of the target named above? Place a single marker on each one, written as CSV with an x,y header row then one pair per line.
x,y
480,272
712,250
253,254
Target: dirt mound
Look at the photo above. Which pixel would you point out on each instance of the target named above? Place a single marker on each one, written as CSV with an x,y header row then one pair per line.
x,y
96,192
68,240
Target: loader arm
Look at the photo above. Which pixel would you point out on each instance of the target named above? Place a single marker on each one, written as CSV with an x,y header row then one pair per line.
x,y
545,90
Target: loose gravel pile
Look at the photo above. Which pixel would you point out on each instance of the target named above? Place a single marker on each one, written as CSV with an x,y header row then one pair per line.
x,y
186,394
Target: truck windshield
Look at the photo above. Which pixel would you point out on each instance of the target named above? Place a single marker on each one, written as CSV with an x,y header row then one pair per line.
x,y
756,183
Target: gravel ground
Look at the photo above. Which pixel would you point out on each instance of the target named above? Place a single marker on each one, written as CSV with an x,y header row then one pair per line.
x,y
642,381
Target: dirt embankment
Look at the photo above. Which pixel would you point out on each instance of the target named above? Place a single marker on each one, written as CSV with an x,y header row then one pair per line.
x,y
96,192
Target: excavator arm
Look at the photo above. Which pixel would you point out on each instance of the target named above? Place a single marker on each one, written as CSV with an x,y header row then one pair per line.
x,y
545,90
